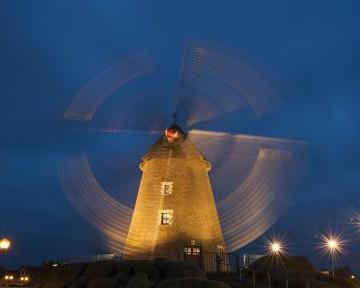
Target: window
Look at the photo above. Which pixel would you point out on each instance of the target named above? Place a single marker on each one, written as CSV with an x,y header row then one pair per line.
x,y
166,217
167,188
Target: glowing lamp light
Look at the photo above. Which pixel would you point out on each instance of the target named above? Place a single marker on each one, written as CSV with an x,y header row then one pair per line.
x,y
24,279
4,244
332,244
275,247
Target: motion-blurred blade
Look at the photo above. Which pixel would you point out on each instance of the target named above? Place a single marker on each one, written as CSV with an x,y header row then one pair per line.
x,y
131,107
214,80
117,171
253,179
111,217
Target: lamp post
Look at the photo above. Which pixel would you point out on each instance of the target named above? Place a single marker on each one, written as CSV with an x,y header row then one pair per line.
x,y
333,246
275,247
5,245
8,279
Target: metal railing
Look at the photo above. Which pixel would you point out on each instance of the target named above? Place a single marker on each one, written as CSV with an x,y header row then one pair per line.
x,y
213,262
86,259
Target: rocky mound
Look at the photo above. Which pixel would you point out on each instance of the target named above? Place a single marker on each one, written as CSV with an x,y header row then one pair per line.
x,y
161,273
284,263
299,273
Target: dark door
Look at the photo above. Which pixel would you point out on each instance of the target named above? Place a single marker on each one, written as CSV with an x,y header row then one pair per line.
x,y
193,254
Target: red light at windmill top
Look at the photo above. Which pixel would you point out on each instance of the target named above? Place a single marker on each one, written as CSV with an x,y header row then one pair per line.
x,y
171,134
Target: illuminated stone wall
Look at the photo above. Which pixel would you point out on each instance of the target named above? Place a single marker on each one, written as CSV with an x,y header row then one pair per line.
x,y
194,212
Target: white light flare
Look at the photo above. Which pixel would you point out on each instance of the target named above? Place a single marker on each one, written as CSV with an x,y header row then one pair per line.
x,y
5,244
275,247
332,244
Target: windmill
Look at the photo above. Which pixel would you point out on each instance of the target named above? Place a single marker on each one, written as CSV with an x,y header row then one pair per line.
x,y
175,208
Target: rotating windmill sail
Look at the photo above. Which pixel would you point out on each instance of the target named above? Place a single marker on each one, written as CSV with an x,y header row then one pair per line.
x,y
175,204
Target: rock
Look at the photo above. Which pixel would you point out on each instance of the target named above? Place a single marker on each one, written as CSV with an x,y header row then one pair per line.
x,y
153,273
287,263
100,269
140,280
161,269
133,266
121,278
81,282
103,282
60,276
191,283
95,270
178,269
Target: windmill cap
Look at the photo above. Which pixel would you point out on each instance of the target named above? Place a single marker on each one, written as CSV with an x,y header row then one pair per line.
x,y
173,132
174,143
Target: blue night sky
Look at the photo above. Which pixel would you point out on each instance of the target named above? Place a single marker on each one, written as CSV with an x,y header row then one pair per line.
x,y
49,49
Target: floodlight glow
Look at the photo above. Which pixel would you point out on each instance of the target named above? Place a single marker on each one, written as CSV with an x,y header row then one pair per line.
x,y
275,247
333,244
4,244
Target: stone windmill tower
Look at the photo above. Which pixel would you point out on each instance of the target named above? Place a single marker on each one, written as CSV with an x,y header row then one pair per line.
x,y
175,209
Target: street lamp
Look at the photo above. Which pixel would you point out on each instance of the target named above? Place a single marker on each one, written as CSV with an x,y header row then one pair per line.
x,y
333,245
4,244
275,247
24,279
8,278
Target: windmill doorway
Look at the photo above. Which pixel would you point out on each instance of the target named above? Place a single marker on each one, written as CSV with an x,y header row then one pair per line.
x,y
192,253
